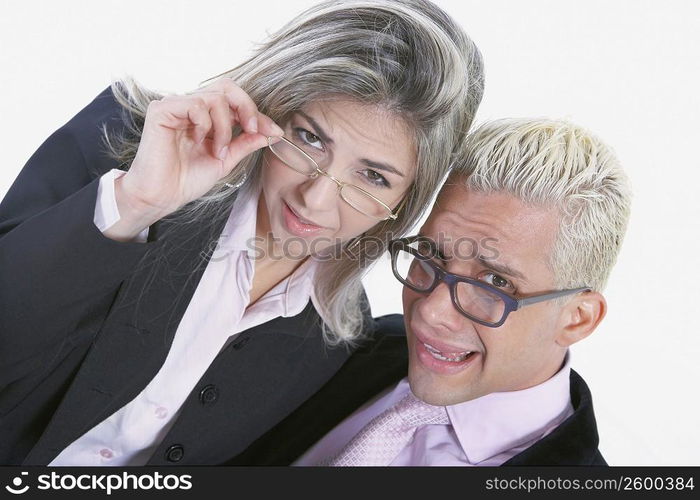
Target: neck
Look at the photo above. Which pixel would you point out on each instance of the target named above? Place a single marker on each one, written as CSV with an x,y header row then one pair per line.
x,y
270,264
262,219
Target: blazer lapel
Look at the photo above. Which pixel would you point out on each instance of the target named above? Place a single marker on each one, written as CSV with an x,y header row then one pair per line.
x,y
574,441
136,336
380,362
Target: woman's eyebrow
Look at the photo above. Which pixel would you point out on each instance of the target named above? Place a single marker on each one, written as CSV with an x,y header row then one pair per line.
x,y
318,130
381,166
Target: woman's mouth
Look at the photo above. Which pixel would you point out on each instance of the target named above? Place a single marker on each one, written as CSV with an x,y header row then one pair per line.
x,y
296,224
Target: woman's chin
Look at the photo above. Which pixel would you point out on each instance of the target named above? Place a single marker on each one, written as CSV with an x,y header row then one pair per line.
x,y
286,245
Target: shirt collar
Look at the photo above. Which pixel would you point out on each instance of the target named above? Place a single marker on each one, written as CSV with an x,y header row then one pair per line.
x,y
501,421
239,232
239,235
295,290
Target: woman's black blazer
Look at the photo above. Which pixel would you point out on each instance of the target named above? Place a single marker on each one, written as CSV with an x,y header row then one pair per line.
x,y
86,322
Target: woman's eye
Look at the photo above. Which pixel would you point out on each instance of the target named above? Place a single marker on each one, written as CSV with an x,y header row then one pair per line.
x,y
308,139
494,279
375,178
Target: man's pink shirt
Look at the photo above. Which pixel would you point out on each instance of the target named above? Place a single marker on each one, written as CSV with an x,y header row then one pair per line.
x,y
486,431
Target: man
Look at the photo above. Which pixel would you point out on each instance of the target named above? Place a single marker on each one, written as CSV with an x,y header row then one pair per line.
x,y
505,275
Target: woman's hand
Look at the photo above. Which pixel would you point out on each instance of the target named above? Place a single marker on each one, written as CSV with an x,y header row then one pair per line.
x,y
186,147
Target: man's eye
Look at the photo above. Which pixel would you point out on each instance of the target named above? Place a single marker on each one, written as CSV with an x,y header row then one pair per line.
x,y
494,279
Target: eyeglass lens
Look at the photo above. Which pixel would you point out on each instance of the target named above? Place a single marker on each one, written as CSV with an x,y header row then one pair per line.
x,y
356,197
475,301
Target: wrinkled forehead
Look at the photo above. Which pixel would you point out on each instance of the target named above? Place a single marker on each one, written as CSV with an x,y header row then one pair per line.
x,y
461,217
362,130
342,114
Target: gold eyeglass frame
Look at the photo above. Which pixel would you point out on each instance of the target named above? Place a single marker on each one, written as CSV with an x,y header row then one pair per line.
x,y
338,182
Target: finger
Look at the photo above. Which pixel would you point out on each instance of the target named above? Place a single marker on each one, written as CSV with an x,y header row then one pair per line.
x,y
244,109
221,117
242,146
243,105
180,113
198,114
268,127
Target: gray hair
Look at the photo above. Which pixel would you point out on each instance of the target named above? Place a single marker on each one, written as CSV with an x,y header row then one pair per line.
x,y
407,57
557,164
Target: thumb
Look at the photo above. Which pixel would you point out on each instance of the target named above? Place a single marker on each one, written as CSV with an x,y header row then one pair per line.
x,y
242,146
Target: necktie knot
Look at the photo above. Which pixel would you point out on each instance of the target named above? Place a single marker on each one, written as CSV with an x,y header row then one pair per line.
x,y
415,412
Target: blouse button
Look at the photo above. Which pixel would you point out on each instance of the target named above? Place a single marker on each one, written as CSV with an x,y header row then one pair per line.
x,y
161,412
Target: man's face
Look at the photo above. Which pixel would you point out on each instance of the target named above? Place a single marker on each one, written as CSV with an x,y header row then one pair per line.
x,y
500,240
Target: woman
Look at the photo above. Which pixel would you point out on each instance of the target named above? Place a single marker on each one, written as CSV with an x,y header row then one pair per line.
x,y
158,333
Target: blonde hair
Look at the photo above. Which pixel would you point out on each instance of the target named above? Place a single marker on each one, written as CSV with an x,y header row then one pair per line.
x,y
407,57
556,163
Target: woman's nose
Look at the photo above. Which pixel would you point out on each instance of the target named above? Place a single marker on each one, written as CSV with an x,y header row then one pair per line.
x,y
319,193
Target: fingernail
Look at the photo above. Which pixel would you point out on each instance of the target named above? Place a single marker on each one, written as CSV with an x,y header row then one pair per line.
x,y
253,124
278,130
223,153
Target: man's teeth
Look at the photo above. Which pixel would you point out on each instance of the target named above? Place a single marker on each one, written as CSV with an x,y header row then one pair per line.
x,y
456,357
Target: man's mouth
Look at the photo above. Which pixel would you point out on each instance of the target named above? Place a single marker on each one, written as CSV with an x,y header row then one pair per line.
x,y
443,357
452,357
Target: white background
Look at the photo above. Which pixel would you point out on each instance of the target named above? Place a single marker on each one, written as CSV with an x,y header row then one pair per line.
x,y
628,70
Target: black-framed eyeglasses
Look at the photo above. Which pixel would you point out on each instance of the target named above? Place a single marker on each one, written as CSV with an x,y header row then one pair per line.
x,y
413,264
364,202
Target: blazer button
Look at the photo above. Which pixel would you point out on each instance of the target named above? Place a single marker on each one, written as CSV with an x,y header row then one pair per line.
x,y
209,395
175,453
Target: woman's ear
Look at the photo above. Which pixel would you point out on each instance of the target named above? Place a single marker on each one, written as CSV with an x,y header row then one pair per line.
x,y
580,316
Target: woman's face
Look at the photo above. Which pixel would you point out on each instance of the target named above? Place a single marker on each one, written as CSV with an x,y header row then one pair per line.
x,y
355,143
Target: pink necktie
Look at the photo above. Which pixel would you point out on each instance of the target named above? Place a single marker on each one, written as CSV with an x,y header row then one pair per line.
x,y
381,440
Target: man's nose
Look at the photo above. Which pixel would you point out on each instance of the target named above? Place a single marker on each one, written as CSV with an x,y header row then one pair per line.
x,y
437,309
319,193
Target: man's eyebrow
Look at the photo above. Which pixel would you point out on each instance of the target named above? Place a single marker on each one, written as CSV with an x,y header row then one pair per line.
x,y
433,245
501,268
318,130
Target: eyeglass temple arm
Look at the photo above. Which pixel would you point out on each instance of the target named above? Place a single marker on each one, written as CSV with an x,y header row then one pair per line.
x,y
549,296
395,212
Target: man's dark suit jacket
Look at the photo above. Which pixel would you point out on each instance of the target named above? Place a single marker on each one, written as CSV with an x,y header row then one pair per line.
x,y
86,322
574,442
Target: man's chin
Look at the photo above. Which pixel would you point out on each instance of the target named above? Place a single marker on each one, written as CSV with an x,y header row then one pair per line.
x,y
433,390
441,386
